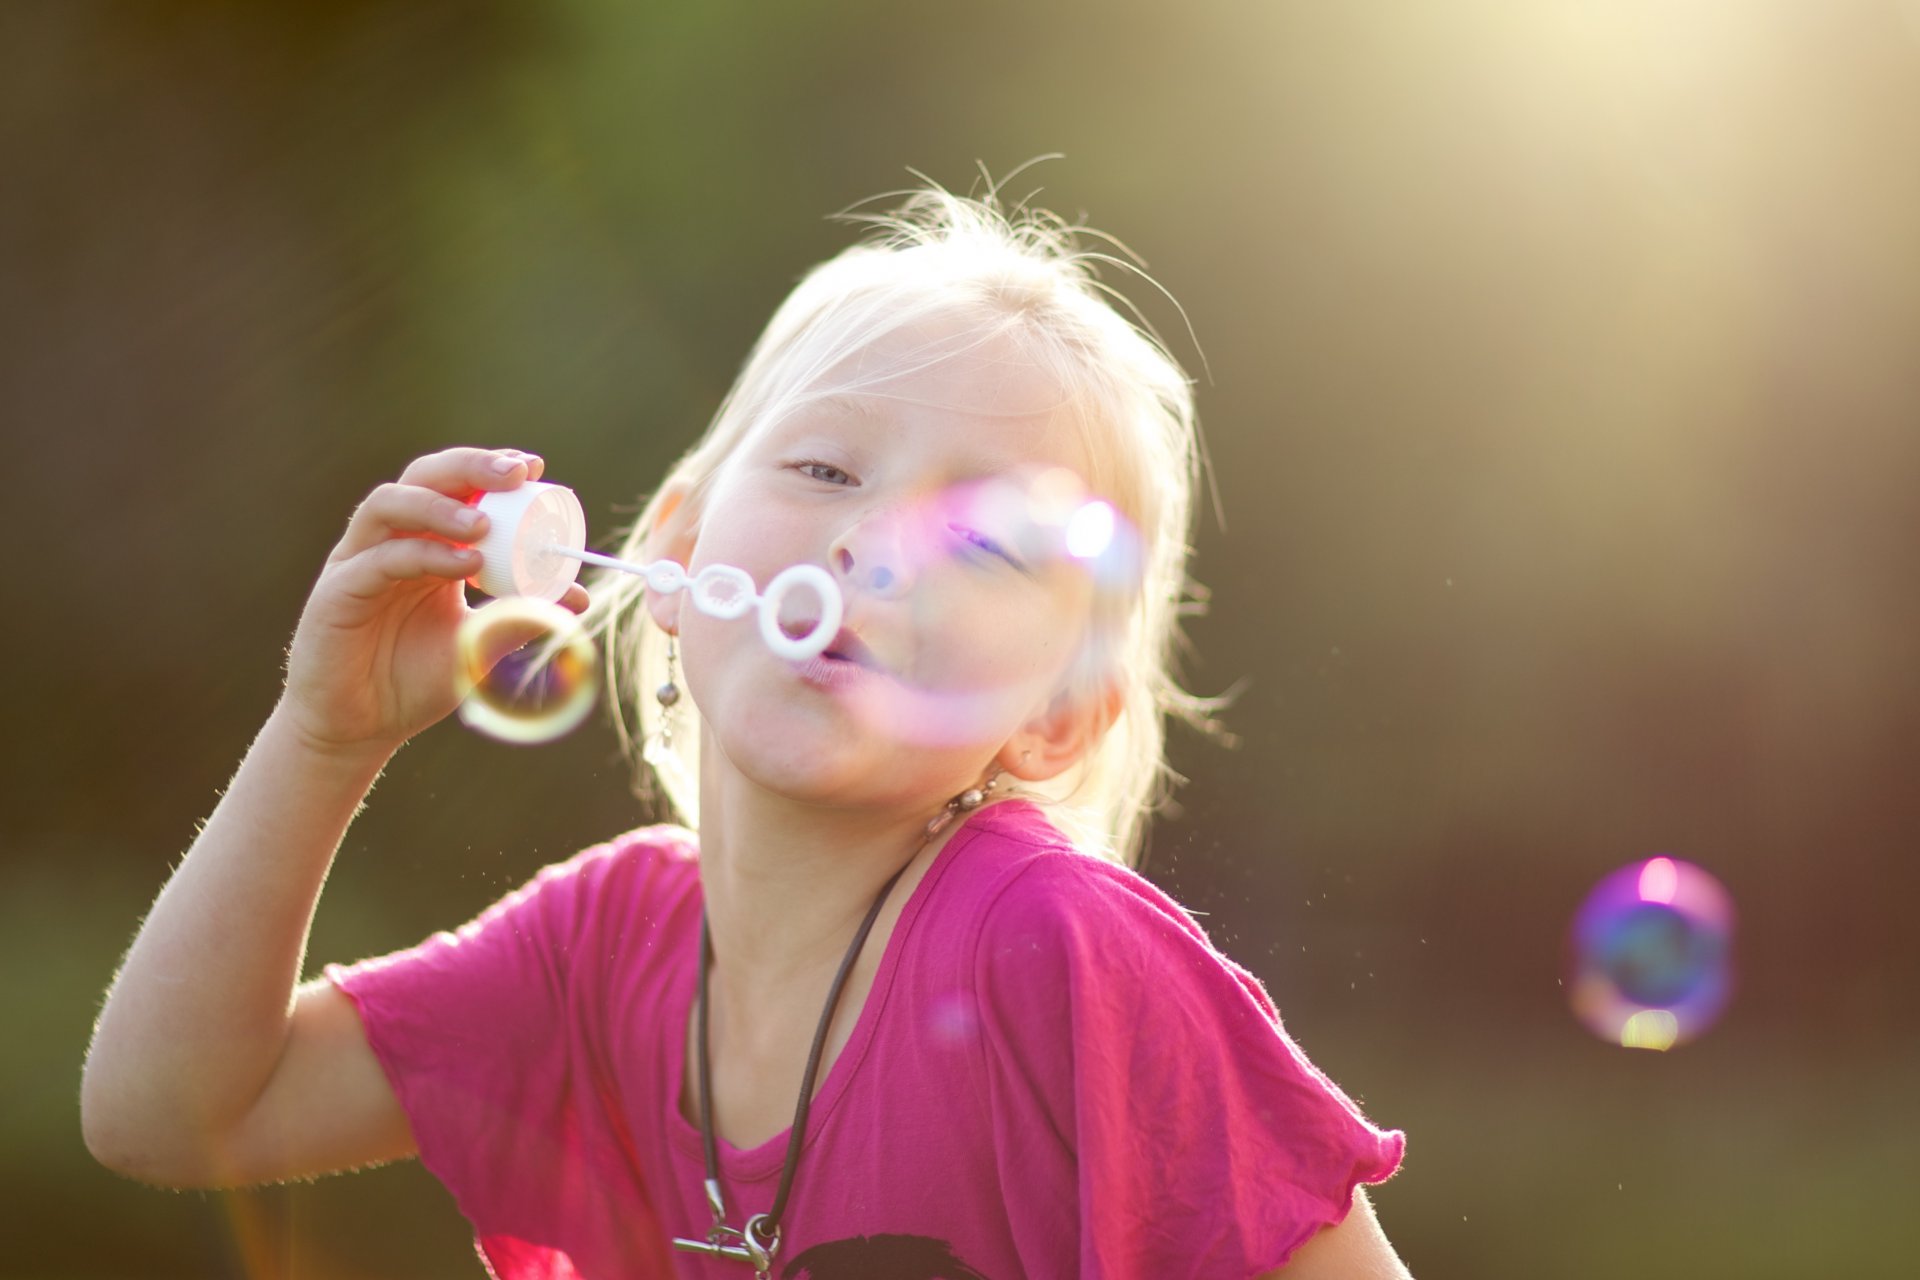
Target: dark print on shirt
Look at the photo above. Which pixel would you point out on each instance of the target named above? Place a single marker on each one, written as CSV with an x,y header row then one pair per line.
x,y
880,1258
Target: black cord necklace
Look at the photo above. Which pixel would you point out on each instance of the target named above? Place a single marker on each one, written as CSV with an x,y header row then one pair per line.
x,y
758,1241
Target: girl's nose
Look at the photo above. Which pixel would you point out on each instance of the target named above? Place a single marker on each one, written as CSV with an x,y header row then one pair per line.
x,y
873,557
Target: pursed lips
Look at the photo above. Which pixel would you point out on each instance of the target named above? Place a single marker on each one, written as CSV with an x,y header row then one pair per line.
x,y
847,646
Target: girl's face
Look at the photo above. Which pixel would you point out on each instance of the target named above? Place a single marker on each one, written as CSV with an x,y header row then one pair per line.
x,y
935,497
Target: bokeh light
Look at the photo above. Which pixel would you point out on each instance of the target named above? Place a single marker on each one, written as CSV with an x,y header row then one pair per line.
x,y
1652,954
1090,530
528,672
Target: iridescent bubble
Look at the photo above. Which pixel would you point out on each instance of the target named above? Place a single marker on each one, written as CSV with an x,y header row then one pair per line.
x,y
1652,954
1042,523
1044,517
527,670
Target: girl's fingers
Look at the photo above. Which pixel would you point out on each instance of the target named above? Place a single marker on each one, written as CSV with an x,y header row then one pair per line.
x,y
431,496
576,599
369,574
459,472
408,511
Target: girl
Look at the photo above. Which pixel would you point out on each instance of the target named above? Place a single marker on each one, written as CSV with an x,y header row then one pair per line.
x,y
899,1010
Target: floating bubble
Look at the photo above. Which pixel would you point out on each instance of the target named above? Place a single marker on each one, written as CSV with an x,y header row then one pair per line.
x,y
1652,957
1043,518
1043,523
527,670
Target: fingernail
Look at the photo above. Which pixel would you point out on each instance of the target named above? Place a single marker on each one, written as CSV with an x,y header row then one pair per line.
x,y
466,518
505,466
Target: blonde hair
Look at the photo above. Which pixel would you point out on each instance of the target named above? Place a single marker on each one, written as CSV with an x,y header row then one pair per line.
x,y
1024,276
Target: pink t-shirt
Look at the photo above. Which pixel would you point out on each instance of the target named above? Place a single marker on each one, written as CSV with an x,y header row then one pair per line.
x,y
1054,1075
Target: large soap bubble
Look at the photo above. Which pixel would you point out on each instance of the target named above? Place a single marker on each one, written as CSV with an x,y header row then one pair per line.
x,y
528,672
1044,522
1652,954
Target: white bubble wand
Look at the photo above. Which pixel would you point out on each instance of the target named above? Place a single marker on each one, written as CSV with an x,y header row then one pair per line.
x,y
534,549
536,542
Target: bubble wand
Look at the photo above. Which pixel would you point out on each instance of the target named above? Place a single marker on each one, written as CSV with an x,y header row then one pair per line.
x,y
532,552
537,541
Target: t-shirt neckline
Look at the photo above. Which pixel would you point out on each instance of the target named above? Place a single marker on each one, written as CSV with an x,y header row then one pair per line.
x,y
764,1161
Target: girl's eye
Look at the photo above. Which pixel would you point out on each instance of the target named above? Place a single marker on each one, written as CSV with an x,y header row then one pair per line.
x,y
824,472
978,539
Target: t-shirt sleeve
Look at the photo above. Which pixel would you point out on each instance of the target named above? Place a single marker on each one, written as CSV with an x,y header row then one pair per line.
x,y
480,1030
1124,1050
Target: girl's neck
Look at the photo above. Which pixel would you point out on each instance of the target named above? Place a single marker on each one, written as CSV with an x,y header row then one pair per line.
x,y
786,884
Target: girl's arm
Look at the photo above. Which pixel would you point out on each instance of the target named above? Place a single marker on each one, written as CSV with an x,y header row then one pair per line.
x,y
1353,1249
202,1017
207,1067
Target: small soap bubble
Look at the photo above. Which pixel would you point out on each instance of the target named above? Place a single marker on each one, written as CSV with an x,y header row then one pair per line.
x,y
1652,954
528,672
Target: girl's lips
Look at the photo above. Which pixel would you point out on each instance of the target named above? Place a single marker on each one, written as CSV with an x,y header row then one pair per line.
x,y
845,662
848,645
833,672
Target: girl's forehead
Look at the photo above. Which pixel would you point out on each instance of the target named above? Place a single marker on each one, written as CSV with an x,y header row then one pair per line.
x,y
989,435
987,388
946,362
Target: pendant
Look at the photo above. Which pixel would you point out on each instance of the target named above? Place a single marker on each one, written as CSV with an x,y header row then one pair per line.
x,y
713,1247
752,1249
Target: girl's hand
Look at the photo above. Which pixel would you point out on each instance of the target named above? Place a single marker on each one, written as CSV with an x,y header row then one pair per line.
x,y
373,661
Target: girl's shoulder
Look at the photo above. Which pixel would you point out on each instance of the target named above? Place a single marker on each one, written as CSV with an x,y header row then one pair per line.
x,y
663,842
653,867
1065,939
661,848
1035,889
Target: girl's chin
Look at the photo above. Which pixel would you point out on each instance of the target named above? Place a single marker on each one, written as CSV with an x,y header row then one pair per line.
x,y
828,716
932,719
838,766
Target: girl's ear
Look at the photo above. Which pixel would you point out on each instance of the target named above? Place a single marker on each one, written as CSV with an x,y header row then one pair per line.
x,y
1068,729
676,526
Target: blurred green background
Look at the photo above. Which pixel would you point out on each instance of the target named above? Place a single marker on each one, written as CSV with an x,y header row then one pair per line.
x,y
1564,404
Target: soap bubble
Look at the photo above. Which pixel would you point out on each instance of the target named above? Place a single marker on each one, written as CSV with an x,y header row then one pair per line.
x,y
1047,525
1048,519
1652,954
528,671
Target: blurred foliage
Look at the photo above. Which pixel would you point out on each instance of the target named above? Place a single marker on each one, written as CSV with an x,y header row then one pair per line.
x,y
1559,387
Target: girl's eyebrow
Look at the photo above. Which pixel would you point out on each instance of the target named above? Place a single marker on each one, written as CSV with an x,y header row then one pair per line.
x,y
853,407
843,404
837,407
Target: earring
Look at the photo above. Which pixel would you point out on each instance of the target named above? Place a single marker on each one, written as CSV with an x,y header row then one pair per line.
x,y
669,693
658,750
966,802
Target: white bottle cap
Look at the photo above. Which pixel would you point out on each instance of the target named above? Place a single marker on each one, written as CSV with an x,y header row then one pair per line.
x,y
524,523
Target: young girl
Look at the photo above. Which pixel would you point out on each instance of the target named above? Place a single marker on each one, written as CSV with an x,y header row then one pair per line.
x,y
899,1010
